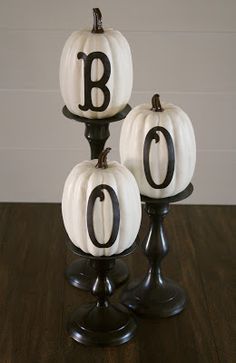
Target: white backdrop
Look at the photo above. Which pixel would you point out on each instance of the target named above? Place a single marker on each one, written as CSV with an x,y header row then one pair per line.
x,y
184,49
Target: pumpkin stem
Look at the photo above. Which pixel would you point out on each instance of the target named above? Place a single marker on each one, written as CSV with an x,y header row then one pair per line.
x,y
102,159
97,21
156,104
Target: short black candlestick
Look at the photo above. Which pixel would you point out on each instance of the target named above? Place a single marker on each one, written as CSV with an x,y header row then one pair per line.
x,y
155,295
102,323
79,273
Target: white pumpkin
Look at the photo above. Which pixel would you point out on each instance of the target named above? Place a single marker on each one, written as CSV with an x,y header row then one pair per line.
x,y
101,207
157,144
96,71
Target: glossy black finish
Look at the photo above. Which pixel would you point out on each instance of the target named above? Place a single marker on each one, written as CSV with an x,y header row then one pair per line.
x,y
102,323
155,295
96,135
79,273
103,121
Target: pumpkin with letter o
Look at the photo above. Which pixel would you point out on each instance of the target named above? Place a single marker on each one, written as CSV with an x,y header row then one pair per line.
x,y
157,144
96,71
101,206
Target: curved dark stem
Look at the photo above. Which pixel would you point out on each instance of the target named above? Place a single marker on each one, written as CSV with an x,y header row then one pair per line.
x,y
156,104
97,21
102,159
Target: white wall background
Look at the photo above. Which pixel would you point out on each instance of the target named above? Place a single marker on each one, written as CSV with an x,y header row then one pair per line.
x,y
184,49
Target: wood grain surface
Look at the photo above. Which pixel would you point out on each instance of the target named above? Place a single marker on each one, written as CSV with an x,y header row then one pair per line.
x,y
35,299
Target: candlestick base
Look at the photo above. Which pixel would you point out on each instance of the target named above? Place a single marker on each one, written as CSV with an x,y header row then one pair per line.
x,y
102,322
106,326
148,299
156,296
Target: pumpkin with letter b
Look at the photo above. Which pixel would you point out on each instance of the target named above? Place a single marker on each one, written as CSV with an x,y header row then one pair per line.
x,y
101,207
96,71
157,144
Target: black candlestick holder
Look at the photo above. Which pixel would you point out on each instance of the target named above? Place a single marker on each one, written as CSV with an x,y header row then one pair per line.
x,y
80,273
101,323
155,295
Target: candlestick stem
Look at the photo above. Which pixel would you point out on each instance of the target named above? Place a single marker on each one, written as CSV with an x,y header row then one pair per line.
x,y
155,245
96,136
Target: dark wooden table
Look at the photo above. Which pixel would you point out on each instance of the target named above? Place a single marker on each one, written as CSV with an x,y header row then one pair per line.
x,y
35,299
